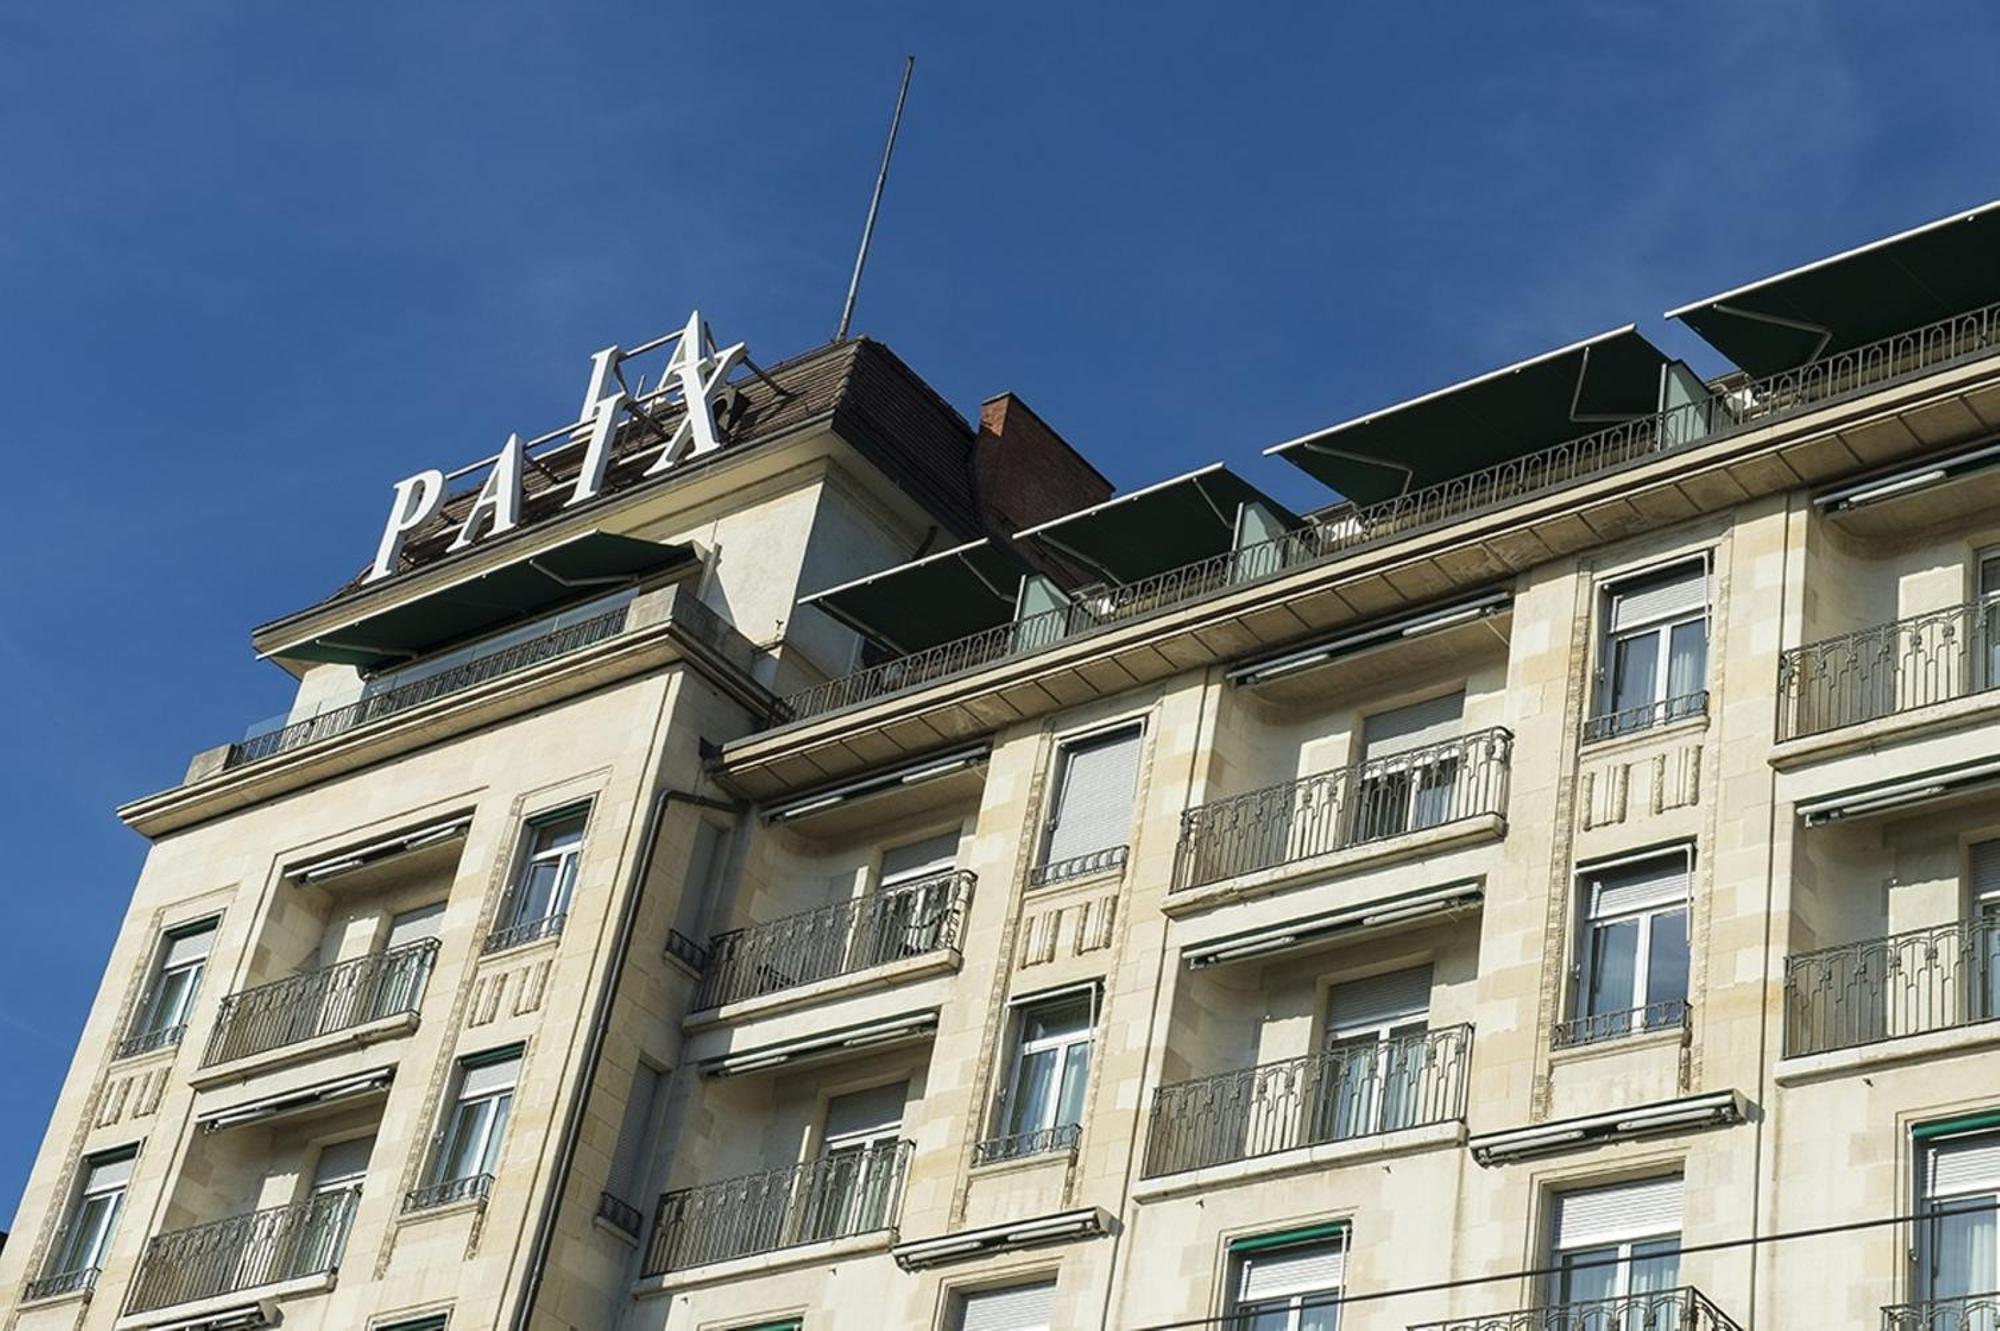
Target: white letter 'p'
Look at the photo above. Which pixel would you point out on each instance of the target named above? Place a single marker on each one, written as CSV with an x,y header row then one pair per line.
x,y
417,499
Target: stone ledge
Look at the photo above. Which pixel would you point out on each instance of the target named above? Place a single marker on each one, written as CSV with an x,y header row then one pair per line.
x,y
1322,868
1946,1043
1885,731
1325,1155
940,962
391,1027
779,1259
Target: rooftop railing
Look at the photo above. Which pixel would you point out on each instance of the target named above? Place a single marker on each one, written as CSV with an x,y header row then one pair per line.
x,y
837,1195
1351,1091
244,1252
1885,988
1345,530
1887,669
1685,1309
1370,801
1971,1312
403,697
336,998
894,924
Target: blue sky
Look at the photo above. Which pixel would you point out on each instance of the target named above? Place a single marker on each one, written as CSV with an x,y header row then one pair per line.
x,y
259,261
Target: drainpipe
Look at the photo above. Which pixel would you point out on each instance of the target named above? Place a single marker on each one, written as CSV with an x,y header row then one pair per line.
x,y
572,1128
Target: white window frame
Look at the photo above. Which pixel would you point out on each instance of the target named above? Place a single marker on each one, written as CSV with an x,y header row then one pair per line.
x,y
149,1020
490,1111
1663,625
567,859
1134,730
1242,1313
75,1258
1623,1247
1061,1045
1935,1205
1590,922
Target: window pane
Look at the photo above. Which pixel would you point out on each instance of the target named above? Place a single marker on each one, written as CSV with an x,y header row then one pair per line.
x,y
1687,659
464,1144
538,890
1592,1281
1962,1251
1656,1266
173,998
496,1129
1076,1076
1613,951
1032,1086
1635,667
1667,958
1069,1016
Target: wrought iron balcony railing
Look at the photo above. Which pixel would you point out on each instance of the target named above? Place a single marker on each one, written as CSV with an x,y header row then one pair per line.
x,y
145,1042
1685,1309
1886,988
1887,669
1972,1312
444,1192
1022,1145
56,1285
1371,801
895,924
1736,406
336,998
244,1252
401,698
836,1196
1669,1014
1078,866
1650,716
524,933
1354,1090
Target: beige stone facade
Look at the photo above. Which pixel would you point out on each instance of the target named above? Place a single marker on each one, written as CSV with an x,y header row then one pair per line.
x,y
1358,979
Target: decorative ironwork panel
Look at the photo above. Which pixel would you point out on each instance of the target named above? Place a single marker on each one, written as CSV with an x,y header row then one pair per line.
x,y
1886,988
1887,669
837,1195
336,998
245,1252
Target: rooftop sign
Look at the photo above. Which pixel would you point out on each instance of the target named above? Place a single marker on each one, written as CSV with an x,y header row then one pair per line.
x,y
695,376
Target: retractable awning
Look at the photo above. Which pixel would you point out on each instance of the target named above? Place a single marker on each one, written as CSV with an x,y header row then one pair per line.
x,y
585,566
1520,409
1161,527
1851,299
421,838
948,595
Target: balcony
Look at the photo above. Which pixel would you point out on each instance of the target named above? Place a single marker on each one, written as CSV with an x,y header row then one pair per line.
x,y
245,1252
1907,984
1885,670
1342,1094
447,1192
1973,1312
390,702
1685,1309
1744,404
836,1196
1368,802
1061,1139
1669,1014
60,1283
902,923
1645,717
304,1007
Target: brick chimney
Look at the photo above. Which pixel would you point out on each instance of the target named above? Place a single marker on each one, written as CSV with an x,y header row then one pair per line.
x,y
1024,472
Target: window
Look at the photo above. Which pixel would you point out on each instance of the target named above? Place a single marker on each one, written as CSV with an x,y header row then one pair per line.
x,y
1375,1054
1287,1282
163,1013
1042,1106
1096,778
911,913
635,1136
1618,1242
539,901
1984,952
1653,667
854,1185
1632,956
1015,1308
1958,1185
329,1214
407,954
469,1145
1409,768
79,1251
1989,617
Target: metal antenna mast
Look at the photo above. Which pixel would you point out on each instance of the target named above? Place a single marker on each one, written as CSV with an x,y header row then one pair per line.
x,y
875,202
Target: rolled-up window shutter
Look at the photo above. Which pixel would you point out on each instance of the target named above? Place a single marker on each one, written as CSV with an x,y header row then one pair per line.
x,y
1094,803
1962,1165
414,926
343,1163
186,946
1312,1268
921,859
1380,1000
1021,1308
867,1113
1620,889
1620,1214
1417,726
1986,870
110,1172
489,1078
1651,597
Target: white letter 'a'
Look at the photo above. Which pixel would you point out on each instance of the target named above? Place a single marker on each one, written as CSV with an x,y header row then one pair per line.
x,y
701,377
417,499
500,496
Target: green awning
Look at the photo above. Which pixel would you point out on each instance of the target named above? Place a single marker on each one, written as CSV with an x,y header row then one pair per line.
x,y
935,599
1289,1238
1521,409
586,566
1158,528
1862,296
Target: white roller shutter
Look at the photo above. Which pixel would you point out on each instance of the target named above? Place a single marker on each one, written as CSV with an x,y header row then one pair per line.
x,y
186,946
1651,597
919,859
1621,889
1380,1000
1311,1268
490,1078
1985,870
1094,802
1619,1214
1021,1308
109,1173
343,1164
870,1113
1963,1165
414,926
1417,726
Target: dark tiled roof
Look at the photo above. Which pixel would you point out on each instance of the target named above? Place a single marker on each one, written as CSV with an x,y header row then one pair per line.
x,y
874,401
